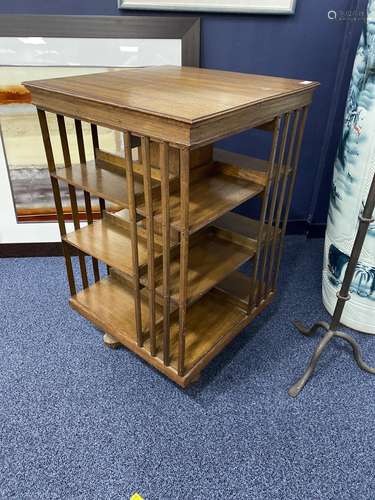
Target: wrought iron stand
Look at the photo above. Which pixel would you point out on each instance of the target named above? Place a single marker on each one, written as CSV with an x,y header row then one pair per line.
x,y
343,296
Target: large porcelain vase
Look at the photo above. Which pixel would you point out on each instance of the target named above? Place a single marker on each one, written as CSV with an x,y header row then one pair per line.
x,y
353,171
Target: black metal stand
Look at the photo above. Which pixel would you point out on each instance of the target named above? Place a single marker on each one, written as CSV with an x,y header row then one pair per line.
x,y
343,296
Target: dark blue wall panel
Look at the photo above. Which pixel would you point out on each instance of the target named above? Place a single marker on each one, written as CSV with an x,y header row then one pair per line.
x,y
307,46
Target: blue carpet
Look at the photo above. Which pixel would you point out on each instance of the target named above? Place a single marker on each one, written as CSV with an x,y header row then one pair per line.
x,y
78,421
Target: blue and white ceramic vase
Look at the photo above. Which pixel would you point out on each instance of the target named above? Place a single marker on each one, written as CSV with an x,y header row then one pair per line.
x,y
353,172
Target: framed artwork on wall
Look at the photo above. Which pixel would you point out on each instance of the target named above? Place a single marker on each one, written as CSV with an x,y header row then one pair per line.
x,y
244,6
39,47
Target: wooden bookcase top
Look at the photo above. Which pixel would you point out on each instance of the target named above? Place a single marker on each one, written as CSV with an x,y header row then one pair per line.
x,y
187,106
197,93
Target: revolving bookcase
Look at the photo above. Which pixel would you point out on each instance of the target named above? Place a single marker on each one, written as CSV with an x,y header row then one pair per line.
x,y
172,291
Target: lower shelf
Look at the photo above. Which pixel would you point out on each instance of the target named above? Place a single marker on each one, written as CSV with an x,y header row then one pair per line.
x,y
211,323
109,304
238,285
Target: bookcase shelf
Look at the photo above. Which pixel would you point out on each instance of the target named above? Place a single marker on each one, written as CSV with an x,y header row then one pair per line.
x,y
237,285
174,292
213,255
110,301
111,243
216,189
102,180
210,320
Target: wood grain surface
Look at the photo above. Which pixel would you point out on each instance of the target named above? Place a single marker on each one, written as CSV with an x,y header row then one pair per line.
x,y
197,93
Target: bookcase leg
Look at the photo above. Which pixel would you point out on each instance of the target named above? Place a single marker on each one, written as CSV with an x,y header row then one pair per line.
x,y
145,148
166,234
57,197
69,268
184,255
111,342
133,236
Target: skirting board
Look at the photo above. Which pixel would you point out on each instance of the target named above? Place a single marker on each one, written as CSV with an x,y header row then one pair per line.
x,y
31,250
310,229
55,249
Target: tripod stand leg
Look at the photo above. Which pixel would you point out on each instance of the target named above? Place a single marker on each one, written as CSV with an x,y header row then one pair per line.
x,y
300,384
356,352
310,332
365,218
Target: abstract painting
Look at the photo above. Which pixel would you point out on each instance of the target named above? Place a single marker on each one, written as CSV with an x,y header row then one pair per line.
x,y
23,143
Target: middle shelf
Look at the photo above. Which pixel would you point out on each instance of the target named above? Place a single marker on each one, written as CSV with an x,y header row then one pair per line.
x,y
215,188
214,253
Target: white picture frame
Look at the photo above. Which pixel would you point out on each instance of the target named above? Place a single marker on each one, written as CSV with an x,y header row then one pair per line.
x,y
24,38
285,7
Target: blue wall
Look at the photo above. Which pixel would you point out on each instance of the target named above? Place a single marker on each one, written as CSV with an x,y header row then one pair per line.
x,y
307,46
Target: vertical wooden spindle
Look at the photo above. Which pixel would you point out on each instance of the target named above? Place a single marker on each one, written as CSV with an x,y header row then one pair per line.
x,y
276,229
80,143
254,291
72,193
166,235
271,213
95,145
184,254
291,189
133,235
57,197
139,149
94,137
145,147
90,220
75,213
87,196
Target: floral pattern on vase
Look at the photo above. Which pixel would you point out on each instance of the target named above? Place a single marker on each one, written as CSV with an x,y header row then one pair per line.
x,y
353,172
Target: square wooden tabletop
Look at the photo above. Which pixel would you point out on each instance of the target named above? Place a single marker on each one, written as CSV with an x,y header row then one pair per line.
x,y
184,94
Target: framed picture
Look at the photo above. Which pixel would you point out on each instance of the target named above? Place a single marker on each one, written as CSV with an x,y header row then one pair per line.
x,y
38,47
244,6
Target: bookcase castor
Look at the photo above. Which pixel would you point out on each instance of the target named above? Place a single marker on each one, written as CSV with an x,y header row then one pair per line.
x,y
172,292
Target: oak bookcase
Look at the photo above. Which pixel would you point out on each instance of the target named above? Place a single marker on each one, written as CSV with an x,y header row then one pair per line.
x,y
172,292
